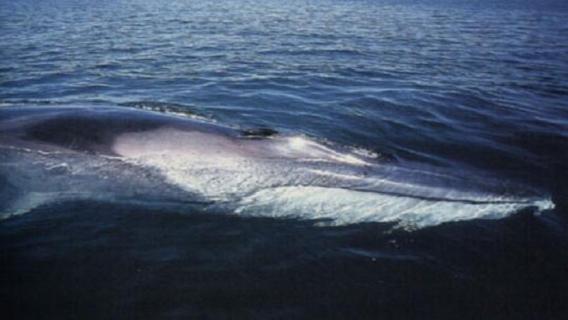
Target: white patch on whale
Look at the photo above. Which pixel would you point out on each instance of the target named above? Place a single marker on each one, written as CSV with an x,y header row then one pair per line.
x,y
245,176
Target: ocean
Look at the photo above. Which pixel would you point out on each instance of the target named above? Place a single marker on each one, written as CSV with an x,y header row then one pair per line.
x,y
421,171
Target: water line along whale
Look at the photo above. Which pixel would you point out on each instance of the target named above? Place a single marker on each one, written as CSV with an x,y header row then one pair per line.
x,y
115,153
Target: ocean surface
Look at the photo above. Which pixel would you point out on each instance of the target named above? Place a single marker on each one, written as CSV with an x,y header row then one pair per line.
x,y
475,89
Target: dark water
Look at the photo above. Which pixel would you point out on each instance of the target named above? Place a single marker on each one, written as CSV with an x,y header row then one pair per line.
x,y
448,84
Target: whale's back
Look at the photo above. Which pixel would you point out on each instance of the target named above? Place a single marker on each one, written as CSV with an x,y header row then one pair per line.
x,y
123,154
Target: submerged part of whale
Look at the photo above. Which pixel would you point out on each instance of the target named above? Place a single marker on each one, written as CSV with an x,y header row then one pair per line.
x,y
121,154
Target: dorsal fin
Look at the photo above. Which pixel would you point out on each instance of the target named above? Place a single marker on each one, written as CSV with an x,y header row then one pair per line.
x,y
258,133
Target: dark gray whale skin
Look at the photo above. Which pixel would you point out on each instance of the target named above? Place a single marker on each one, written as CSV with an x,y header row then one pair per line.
x,y
88,129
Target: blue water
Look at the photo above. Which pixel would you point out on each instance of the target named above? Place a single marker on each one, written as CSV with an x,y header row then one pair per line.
x,y
458,85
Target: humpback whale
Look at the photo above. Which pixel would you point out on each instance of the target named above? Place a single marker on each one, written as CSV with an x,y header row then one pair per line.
x,y
111,153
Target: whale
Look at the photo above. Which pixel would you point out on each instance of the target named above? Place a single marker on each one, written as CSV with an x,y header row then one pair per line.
x,y
56,153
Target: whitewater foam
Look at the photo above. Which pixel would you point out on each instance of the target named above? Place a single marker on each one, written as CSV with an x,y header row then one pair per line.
x,y
342,206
